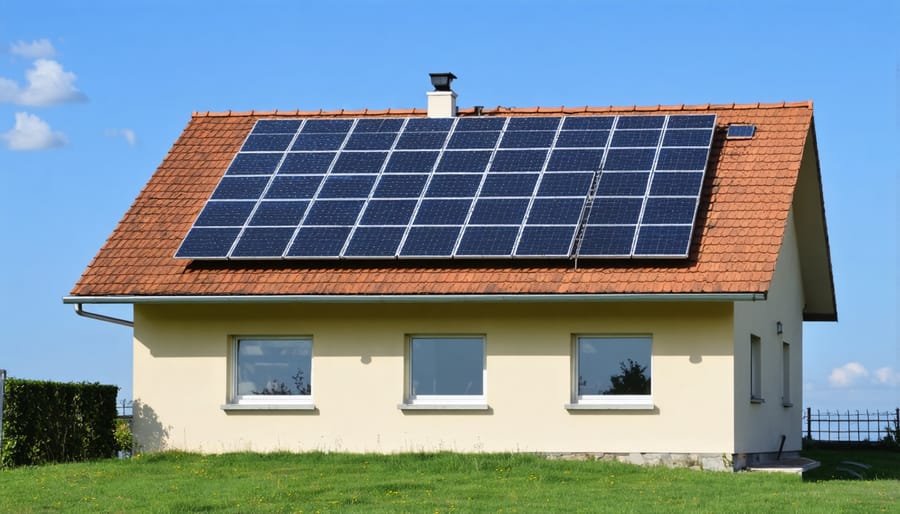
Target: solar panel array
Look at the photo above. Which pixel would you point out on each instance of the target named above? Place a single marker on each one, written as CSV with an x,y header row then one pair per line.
x,y
471,187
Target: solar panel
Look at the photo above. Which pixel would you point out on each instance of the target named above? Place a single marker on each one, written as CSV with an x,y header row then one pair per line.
x,y
472,187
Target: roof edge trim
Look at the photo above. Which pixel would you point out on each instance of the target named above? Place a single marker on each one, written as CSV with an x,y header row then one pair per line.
x,y
429,298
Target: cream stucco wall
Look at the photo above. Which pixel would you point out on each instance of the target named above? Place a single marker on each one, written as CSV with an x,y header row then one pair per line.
x,y
759,426
181,363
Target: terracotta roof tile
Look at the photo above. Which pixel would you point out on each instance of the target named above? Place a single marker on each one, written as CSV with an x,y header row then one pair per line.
x,y
744,206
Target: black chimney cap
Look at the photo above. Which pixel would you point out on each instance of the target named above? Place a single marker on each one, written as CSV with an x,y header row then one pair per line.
x,y
441,81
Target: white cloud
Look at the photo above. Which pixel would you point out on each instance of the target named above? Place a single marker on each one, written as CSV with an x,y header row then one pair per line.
x,y
846,375
41,48
127,133
32,133
48,84
887,376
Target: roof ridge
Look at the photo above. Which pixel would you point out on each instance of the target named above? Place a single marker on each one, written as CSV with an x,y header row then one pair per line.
x,y
510,110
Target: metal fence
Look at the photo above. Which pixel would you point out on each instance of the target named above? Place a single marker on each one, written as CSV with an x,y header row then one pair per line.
x,y
850,427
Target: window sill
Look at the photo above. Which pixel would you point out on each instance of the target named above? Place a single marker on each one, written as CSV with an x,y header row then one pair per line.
x,y
443,406
238,407
610,406
756,399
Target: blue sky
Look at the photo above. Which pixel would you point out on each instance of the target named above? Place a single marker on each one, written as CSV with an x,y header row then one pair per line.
x,y
92,97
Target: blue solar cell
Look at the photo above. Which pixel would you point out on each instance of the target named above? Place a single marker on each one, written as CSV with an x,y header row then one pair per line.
x,y
488,241
240,188
537,123
556,211
371,141
519,160
509,184
565,184
582,139
623,138
347,186
615,211
319,242
687,138
741,131
640,122
527,139
692,121
682,159
676,183
665,241
429,125
400,186
575,160
499,211
623,184
254,164
430,241
378,125
588,123
421,140
303,163
470,124
453,185
606,241
276,126
442,212
629,159
263,242
207,243
283,213
267,142
318,142
662,210
287,187
546,241
359,162
388,212
326,126
411,162
334,212
375,242
465,140
463,162
224,214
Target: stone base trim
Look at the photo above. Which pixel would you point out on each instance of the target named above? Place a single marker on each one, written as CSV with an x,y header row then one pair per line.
x,y
704,461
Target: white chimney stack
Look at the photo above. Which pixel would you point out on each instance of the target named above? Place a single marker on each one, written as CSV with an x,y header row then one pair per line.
x,y
441,101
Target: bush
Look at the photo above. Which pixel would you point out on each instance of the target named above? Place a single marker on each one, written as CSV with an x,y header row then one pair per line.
x,y
124,437
57,422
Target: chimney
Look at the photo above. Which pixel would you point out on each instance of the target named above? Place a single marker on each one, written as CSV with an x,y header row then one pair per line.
x,y
441,101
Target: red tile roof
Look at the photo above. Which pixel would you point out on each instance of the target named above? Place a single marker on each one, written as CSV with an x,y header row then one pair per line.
x,y
745,203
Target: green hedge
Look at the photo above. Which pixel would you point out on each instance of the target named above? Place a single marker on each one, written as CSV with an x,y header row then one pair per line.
x,y
57,422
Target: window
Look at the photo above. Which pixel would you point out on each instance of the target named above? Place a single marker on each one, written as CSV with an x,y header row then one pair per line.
x,y
612,372
786,375
755,369
446,371
273,371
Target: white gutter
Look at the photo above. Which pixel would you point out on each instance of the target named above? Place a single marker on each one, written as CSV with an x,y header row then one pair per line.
x,y
418,298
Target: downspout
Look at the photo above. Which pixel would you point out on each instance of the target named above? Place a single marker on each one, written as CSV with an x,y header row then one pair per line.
x,y
79,309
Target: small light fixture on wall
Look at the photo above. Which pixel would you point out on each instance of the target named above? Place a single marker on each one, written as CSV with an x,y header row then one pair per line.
x,y
778,328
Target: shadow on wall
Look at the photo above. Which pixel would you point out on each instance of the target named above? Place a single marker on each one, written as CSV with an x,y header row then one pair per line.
x,y
149,434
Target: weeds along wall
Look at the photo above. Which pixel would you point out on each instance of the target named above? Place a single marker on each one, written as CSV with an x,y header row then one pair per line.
x,y
47,422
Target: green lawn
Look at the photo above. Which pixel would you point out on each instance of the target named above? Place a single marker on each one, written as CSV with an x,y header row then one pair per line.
x,y
178,482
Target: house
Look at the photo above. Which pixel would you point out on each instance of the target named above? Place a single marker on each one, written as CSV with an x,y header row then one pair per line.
x,y
647,307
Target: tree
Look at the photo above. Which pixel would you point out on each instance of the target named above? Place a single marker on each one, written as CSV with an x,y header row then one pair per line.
x,y
632,379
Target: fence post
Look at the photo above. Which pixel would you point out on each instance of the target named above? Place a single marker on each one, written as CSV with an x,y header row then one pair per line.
x,y
2,389
809,423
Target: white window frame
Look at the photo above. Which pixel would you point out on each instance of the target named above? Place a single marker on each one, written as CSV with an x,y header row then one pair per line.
x,y
265,401
608,401
786,374
444,401
756,363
